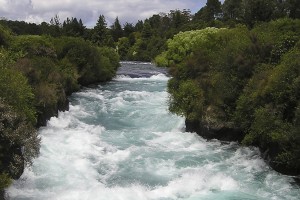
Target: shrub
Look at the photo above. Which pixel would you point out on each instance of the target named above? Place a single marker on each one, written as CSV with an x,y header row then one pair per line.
x,y
16,91
4,36
186,99
19,143
34,46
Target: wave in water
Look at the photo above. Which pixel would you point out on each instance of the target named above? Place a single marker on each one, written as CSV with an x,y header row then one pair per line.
x,y
118,141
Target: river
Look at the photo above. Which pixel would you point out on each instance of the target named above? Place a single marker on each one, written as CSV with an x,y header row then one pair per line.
x,y
119,142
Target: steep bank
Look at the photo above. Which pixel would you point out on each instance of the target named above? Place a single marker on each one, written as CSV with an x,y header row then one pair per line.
x,y
37,74
242,85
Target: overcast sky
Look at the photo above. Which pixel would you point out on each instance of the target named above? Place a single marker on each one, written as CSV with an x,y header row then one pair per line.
x,y
89,10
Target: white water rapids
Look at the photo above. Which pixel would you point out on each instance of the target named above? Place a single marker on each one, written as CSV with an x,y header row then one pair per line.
x,y
119,142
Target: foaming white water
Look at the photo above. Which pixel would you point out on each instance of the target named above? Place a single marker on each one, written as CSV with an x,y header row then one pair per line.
x,y
118,141
157,77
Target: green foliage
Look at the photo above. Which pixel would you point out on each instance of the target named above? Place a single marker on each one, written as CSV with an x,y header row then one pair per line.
x,y
116,30
146,32
267,128
36,75
100,34
243,79
72,27
69,75
186,99
161,60
113,59
183,44
19,144
33,46
123,47
232,10
4,36
15,89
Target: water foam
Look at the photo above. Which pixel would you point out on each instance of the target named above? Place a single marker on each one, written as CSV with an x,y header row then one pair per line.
x,y
157,77
118,141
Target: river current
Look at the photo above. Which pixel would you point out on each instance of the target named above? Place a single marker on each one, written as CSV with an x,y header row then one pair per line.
x,y
119,142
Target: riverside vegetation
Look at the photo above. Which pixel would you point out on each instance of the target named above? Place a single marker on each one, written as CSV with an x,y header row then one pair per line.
x,y
37,73
235,71
240,81
241,84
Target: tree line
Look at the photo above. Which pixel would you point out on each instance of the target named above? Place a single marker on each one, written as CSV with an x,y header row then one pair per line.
x,y
146,39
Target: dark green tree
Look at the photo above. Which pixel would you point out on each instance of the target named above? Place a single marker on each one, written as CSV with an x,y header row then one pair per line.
x,y
210,11
139,25
293,8
55,26
128,29
232,9
73,27
100,35
116,30
258,11
179,18
147,30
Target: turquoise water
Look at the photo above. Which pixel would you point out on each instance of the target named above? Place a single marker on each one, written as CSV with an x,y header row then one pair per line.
x,y
119,142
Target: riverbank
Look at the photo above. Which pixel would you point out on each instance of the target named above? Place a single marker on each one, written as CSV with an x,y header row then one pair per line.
x,y
119,141
242,85
37,74
236,135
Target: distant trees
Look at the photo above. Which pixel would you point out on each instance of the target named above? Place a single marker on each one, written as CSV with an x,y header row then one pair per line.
x,y
258,11
116,30
100,33
246,11
147,38
293,8
232,10
210,11
73,27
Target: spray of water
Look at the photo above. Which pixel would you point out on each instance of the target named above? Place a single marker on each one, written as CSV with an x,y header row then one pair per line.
x,y
118,141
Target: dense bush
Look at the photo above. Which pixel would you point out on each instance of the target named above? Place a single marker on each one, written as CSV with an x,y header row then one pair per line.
x,y
242,79
183,44
36,75
19,142
4,36
93,64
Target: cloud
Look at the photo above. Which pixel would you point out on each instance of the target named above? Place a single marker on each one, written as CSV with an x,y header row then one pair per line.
x,y
89,10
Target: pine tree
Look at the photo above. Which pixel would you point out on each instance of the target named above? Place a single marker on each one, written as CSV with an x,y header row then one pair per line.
x,y
116,30
100,35
232,9
210,11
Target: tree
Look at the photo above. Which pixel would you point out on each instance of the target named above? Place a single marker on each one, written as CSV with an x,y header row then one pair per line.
x,y
232,9
139,25
100,35
293,7
73,27
179,18
147,30
128,29
210,11
116,30
258,11
123,47
55,26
